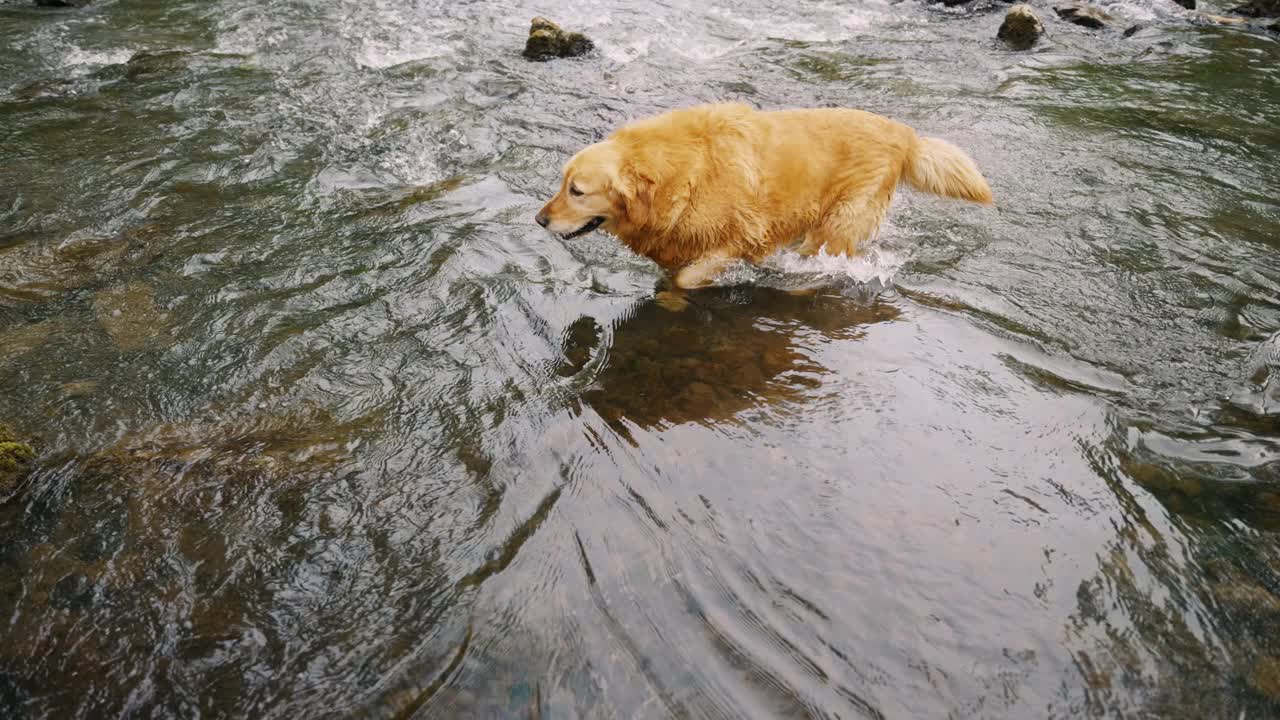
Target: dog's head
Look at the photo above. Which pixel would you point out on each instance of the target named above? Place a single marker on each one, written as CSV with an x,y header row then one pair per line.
x,y
598,190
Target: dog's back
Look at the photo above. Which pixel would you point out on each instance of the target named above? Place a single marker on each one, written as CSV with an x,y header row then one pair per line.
x,y
748,182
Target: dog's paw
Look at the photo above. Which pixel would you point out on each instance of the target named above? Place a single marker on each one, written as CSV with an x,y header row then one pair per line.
x,y
673,301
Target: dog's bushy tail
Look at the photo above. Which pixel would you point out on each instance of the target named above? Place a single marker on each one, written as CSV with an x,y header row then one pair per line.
x,y
941,168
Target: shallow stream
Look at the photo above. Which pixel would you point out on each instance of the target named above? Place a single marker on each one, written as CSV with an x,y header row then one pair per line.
x,y
327,426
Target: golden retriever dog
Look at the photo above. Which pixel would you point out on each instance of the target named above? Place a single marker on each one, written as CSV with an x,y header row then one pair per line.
x,y
698,188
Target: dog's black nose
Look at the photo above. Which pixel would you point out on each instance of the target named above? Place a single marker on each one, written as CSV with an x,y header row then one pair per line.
x,y
542,219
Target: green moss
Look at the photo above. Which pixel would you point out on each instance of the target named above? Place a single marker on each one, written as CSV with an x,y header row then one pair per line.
x,y
15,461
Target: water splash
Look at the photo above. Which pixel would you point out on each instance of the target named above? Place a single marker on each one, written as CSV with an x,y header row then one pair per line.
x,y
788,270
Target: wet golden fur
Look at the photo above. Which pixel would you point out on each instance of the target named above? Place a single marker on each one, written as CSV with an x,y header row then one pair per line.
x,y
695,189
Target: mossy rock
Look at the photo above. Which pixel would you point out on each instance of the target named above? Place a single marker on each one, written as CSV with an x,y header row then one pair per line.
x,y
548,40
1021,28
16,459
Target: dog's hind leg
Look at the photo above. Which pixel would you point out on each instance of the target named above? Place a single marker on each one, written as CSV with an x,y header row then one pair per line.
x,y
852,221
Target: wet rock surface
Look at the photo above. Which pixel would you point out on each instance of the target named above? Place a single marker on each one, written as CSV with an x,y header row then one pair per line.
x,y
548,40
1089,16
1021,28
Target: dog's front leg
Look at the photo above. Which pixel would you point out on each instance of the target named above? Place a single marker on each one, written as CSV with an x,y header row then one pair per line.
x,y
697,274
701,272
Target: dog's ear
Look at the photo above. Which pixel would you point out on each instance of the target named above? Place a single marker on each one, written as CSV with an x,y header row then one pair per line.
x,y
640,204
636,192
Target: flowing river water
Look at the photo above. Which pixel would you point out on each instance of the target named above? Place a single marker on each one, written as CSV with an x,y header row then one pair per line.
x,y
326,426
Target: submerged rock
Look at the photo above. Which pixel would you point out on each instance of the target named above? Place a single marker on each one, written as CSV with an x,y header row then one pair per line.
x,y
1084,16
1188,4
130,316
22,339
15,461
55,87
63,3
148,62
548,40
1265,677
40,269
144,64
1258,8
1021,28
73,592
78,388
221,459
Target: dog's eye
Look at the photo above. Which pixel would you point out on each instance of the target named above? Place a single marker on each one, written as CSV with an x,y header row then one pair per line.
x,y
574,191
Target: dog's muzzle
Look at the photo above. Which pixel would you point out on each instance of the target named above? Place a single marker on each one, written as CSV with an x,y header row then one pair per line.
x,y
592,224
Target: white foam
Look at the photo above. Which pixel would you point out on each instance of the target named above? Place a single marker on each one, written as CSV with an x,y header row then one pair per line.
x,y
814,23
1142,10
875,264
626,52
390,44
75,57
250,32
792,271
718,31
